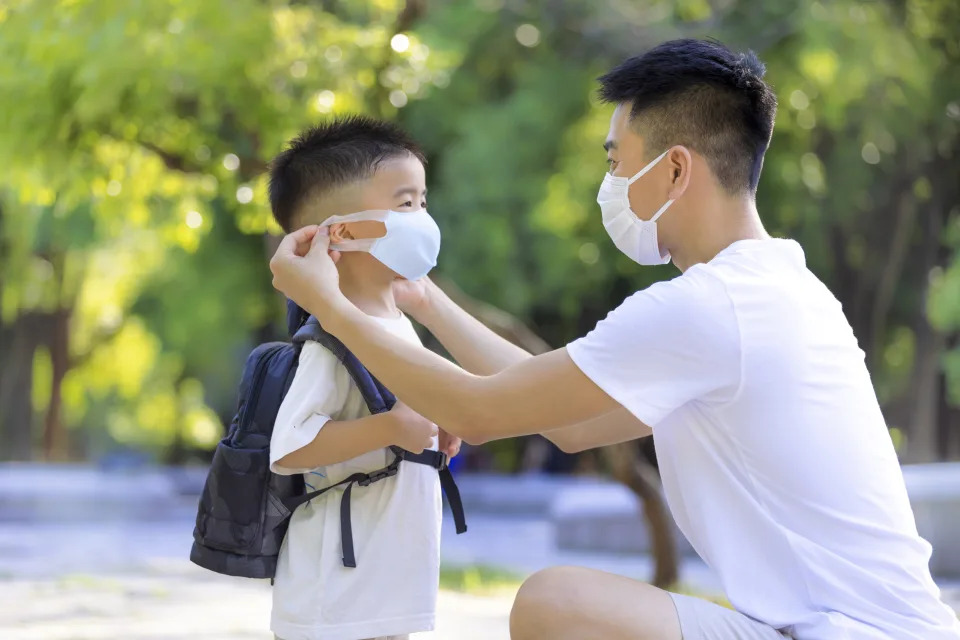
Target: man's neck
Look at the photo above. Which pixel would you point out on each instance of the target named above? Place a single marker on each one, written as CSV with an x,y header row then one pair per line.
x,y
372,294
729,220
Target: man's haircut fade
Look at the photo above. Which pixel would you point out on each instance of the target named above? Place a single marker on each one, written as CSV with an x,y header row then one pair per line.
x,y
330,155
704,96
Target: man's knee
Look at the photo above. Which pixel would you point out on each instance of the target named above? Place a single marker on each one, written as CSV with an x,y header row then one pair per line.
x,y
541,599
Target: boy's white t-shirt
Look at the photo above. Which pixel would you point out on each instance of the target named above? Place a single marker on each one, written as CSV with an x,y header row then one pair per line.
x,y
396,522
775,457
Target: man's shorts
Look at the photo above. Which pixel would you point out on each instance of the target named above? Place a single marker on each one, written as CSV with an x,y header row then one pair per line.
x,y
703,620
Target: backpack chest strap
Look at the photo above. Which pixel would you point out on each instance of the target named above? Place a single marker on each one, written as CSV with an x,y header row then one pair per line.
x,y
434,459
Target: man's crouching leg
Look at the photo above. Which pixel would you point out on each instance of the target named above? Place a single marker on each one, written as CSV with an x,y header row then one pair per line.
x,y
573,603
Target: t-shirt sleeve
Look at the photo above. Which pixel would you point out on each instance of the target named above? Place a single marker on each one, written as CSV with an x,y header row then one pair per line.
x,y
675,342
318,391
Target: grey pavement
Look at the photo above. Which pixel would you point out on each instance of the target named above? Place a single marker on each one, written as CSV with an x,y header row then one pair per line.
x,y
91,555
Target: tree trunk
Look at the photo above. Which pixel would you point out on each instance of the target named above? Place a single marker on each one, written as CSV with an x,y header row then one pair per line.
x,y
18,343
922,440
55,445
633,470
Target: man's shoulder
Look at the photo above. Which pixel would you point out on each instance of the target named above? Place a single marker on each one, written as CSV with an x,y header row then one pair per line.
x,y
699,290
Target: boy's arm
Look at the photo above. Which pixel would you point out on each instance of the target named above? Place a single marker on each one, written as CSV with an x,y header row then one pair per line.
x,y
341,440
304,436
481,351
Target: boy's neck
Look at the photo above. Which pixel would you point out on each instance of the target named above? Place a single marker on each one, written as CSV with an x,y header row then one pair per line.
x,y
372,294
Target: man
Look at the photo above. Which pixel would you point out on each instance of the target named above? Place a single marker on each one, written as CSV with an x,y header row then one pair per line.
x,y
774,455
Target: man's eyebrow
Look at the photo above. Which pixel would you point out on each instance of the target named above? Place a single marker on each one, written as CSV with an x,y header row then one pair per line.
x,y
609,144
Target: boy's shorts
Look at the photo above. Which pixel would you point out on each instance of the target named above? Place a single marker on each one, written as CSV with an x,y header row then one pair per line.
x,y
703,620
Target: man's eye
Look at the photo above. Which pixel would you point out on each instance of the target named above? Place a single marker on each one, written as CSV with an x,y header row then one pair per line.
x,y
408,203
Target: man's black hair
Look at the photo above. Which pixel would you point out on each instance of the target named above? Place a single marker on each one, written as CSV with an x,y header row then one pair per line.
x,y
704,96
330,155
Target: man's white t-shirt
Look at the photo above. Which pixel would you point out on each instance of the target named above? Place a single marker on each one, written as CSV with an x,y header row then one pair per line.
x,y
775,458
396,522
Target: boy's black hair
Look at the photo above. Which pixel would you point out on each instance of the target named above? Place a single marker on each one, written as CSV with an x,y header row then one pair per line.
x,y
702,95
332,154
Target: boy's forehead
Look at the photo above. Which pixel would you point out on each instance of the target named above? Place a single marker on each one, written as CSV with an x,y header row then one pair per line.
x,y
397,173
393,179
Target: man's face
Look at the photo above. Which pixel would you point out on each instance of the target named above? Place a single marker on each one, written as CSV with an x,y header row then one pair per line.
x,y
626,156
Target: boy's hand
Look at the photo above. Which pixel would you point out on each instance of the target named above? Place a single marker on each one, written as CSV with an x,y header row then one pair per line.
x,y
413,296
413,432
449,444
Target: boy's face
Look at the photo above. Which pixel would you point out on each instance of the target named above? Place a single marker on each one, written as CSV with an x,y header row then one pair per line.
x,y
399,184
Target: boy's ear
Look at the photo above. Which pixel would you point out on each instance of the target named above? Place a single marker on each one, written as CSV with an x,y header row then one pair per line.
x,y
339,233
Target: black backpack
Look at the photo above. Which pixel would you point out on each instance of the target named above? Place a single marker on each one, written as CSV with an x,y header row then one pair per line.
x,y
245,508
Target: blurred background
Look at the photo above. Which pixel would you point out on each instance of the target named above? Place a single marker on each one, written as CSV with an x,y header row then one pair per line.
x,y
135,233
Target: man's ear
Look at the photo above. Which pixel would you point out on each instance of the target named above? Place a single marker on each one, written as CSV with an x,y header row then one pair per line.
x,y
339,233
680,162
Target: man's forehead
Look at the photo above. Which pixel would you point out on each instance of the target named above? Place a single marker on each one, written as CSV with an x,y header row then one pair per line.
x,y
619,123
621,131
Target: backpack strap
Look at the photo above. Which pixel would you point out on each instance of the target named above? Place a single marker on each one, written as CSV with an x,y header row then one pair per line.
x,y
379,399
296,317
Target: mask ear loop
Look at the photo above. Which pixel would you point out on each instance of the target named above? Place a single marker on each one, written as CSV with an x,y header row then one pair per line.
x,y
372,215
666,205
651,165
364,244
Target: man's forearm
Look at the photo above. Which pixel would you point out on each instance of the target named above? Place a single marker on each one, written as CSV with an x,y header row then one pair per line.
x,y
481,351
471,343
536,394
612,428
341,440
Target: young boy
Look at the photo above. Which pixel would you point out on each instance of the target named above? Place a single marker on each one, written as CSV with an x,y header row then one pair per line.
x,y
356,165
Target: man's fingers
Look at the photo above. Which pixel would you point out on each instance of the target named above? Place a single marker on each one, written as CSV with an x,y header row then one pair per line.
x,y
296,243
320,240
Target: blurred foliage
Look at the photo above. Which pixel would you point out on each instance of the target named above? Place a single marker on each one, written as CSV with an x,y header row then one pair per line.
x,y
479,580
136,136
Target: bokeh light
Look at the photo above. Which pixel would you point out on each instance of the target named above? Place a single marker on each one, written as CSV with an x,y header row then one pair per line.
x,y
528,35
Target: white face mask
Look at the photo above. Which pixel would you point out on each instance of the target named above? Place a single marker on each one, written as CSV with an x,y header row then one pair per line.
x,y
635,237
410,246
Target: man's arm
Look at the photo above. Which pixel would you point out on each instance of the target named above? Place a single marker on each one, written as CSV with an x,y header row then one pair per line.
x,y
471,343
535,395
612,428
481,351
343,440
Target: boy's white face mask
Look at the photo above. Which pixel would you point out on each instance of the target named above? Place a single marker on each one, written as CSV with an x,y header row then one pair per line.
x,y
410,246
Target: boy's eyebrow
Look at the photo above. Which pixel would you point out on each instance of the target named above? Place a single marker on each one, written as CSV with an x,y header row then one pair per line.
x,y
609,144
413,190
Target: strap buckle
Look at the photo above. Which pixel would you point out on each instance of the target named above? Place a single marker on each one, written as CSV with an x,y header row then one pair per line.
x,y
378,475
444,461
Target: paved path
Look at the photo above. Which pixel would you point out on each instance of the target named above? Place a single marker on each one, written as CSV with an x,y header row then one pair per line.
x,y
76,569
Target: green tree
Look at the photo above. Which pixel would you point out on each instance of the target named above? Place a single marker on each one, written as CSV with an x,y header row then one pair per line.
x,y
137,136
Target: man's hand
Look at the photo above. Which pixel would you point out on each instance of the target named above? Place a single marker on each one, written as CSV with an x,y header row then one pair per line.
x,y
413,296
413,432
449,444
304,270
